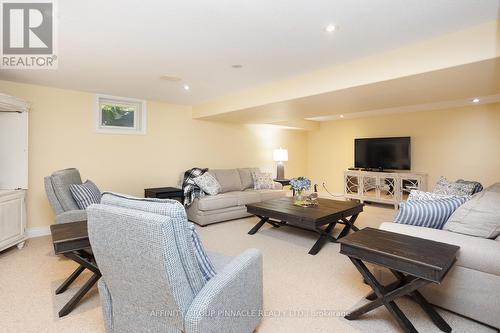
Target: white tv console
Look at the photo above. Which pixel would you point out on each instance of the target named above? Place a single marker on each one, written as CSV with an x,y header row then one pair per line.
x,y
382,187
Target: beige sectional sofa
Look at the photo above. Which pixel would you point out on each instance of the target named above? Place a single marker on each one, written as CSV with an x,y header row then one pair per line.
x,y
472,287
236,191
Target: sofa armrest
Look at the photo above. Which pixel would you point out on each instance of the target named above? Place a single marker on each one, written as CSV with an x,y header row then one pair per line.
x,y
231,301
72,216
480,254
277,186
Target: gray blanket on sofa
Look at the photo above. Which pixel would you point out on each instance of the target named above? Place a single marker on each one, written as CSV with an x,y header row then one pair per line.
x,y
190,189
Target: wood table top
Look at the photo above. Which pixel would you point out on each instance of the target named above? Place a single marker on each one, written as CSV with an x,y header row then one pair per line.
x,y
325,209
417,256
71,236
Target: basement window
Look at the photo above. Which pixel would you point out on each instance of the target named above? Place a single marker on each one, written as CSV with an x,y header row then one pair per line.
x,y
120,115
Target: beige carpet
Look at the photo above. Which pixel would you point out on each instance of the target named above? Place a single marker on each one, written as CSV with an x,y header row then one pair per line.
x,y
303,293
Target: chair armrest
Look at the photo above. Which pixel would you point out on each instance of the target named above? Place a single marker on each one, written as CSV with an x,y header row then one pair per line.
x,y
107,310
72,216
231,301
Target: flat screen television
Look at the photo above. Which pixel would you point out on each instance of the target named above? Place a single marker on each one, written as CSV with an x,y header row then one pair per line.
x,y
383,153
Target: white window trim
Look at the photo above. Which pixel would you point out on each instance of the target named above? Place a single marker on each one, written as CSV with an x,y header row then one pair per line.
x,y
140,116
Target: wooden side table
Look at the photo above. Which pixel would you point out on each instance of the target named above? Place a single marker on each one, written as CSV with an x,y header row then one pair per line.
x,y
415,262
165,193
72,241
284,182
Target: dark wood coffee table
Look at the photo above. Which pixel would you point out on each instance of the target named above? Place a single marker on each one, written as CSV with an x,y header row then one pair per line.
x,y
72,241
321,218
414,262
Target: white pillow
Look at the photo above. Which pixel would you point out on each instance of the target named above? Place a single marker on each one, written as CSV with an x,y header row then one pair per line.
x,y
207,183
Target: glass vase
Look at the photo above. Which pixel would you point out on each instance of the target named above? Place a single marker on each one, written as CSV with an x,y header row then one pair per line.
x,y
299,198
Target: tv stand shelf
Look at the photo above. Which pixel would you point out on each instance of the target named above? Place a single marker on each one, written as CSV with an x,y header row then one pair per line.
x,y
388,187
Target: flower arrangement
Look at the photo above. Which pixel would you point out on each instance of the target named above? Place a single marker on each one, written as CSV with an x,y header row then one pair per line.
x,y
300,184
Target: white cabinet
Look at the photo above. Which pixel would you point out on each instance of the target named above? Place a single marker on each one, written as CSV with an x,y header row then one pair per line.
x,y
13,170
383,187
12,218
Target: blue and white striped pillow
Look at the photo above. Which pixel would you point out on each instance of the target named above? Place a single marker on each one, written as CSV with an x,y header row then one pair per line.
x,y
206,267
428,213
85,194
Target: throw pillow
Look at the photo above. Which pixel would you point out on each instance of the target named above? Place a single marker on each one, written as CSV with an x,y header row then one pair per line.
x,y
478,187
246,177
428,213
85,194
206,267
207,183
443,186
416,195
262,180
479,216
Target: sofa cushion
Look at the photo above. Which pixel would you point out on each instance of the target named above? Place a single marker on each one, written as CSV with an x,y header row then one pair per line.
x,y
479,216
221,200
229,179
228,199
475,253
246,177
269,194
247,197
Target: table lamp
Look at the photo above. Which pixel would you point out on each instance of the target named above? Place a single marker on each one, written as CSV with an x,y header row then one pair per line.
x,y
280,155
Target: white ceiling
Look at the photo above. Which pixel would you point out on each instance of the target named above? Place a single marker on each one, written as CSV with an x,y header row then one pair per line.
x,y
123,47
450,87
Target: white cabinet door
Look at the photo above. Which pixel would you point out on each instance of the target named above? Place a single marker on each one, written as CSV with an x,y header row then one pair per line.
x,y
13,150
12,217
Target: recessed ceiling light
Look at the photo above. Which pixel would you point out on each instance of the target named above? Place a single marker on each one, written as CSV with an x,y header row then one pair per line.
x,y
330,28
341,116
170,78
476,100
186,87
237,66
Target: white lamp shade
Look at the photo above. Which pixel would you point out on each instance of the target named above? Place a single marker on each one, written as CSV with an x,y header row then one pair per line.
x,y
280,155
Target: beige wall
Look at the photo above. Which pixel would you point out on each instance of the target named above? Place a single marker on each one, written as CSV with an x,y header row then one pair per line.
x,y
456,143
61,135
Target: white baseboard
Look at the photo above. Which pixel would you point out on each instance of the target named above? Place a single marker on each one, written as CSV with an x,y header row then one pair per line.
x,y
38,232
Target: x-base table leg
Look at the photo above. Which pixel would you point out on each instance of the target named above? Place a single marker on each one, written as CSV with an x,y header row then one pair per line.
x,y
85,260
324,234
406,285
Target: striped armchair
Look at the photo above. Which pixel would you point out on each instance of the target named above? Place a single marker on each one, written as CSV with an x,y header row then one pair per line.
x,y
150,278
